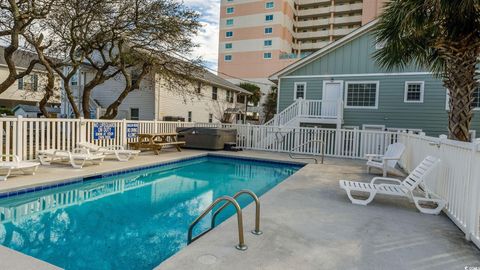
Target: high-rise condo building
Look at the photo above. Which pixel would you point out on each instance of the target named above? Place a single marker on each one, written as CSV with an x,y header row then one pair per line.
x,y
260,37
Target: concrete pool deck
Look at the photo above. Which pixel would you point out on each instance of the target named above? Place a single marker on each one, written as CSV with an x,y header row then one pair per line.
x,y
309,223
307,220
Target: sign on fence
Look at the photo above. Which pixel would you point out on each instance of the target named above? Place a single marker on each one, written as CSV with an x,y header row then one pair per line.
x,y
104,131
132,130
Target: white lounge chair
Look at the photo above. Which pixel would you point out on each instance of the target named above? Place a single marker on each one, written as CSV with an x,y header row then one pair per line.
x,y
16,165
388,161
396,187
77,158
118,151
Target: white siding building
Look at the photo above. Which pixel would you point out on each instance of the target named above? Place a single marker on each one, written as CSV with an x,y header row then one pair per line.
x,y
30,89
207,100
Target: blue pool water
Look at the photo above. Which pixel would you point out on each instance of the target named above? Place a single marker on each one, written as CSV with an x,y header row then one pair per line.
x,y
129,221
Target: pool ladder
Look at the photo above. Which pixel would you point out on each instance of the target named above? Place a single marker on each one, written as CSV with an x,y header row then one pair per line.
x,y
229,200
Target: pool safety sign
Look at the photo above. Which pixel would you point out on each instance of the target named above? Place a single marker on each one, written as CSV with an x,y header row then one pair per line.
x,y
132,130
103,131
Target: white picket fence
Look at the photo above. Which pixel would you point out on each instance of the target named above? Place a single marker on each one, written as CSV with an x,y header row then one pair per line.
x,y
456,180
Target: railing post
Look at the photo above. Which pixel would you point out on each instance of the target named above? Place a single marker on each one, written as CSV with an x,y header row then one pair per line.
x,y
472,201
19,137
124,138
83,130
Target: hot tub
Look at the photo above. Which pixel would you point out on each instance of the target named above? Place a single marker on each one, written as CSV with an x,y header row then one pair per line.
x,y
206,138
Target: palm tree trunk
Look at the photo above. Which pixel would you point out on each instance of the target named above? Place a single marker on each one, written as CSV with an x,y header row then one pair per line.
x,y
461,81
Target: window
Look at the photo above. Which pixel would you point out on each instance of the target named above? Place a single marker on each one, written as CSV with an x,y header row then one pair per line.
x,y
240,99
230,10
267,43
214,93
267,55
74,80
229,34
300,89
362,95
229,96
414,92
20,84
189,118
228,57
228,46
210,118
135,77
198,89
268,30
269,5
476,99
28,83
229,22
134,114
268,17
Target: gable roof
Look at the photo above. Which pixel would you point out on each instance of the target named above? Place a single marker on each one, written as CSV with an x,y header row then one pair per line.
x,y
215,80
34,109
323,51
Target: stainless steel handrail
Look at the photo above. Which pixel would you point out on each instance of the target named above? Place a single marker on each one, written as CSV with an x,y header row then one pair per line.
x,y
241,242
290,153
257,230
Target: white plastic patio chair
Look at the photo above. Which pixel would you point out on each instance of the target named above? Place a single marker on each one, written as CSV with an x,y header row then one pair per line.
x,y
388,161
77,158
396,187
16,165
118,151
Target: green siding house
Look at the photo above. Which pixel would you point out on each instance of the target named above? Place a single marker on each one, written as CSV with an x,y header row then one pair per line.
x,y
341,85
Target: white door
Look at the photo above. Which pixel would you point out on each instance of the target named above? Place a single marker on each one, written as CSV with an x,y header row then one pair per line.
x,y
332,92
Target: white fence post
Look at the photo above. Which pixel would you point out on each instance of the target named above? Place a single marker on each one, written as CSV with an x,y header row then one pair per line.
x,y
83,130
124,140
20,140
472,182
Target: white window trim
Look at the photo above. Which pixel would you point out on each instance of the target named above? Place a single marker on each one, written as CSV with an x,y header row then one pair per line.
x,y
374,127
447,105
267,15
225,46
422,91
225,58
229,36
229,25
266,58
345,95
226,10
304,90
266,32
267,46
266,7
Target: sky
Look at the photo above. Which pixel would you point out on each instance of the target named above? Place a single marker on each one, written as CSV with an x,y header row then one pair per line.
x,y
208,36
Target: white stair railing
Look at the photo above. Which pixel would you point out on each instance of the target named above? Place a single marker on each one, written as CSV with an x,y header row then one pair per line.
x,y
308,109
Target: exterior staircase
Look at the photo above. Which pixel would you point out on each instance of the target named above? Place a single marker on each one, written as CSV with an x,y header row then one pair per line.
x,y
284,123
309,111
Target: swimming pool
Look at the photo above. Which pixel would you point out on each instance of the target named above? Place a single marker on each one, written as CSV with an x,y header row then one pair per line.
x,y
133,220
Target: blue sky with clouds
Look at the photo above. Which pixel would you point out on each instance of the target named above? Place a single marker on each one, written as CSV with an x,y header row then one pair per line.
x,y
208,36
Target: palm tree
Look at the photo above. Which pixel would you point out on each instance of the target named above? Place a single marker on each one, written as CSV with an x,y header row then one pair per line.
x,y
442,36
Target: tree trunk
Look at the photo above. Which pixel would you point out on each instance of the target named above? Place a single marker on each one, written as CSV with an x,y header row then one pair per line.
x,y
71,99
460,79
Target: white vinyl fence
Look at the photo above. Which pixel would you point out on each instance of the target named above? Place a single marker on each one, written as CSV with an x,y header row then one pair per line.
x,y
457,180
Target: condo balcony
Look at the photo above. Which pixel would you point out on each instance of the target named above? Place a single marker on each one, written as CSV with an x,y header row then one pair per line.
x,y
312,35
313,46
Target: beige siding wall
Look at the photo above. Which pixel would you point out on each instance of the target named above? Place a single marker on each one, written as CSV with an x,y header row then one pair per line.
x,y
179,103
14,96
142,99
